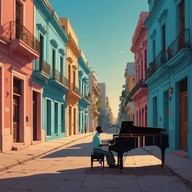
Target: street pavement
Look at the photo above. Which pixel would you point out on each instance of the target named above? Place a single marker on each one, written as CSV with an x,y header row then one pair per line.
x,y
64,165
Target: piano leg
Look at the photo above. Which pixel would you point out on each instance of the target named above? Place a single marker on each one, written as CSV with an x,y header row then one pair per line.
x,y
162,155
120,157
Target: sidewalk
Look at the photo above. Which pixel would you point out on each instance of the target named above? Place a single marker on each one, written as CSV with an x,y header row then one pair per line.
x,y
14,158
181,167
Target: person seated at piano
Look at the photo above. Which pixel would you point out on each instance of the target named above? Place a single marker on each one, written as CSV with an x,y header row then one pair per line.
x,y
97,148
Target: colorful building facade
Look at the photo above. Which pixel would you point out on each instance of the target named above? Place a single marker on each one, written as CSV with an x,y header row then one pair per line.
x,y
73,95
50,71
20,97
84,102
129,84
169,73
139,93
94,108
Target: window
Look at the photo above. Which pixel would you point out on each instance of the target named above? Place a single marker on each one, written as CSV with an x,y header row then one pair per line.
x,y
163,33
145,58
41,47
61,65
69,74
154,49
53,59
182,16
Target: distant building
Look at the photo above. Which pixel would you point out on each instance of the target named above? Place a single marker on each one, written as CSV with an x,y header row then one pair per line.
x,y
130,82
103,110
126,109
94,108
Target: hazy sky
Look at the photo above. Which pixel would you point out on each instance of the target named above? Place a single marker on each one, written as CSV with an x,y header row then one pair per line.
x,y
104,29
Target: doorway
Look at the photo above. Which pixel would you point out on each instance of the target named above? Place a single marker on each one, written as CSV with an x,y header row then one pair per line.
x,y
16,114
183,98
34,116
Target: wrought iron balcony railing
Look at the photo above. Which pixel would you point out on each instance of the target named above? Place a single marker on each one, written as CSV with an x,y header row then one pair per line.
x,y
75,89
14,30
42,66
182,41
158,62
141,83
60,78
87,98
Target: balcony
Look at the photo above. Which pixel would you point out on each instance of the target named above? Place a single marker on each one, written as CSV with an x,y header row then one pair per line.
x,y
59,81
95,109
73,94
85,101
42,70
21,40
181,42
158,62
139,90
96,89
139,87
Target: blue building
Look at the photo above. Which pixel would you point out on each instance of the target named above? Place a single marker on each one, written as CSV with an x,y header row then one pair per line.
x,y
169,73
84,102
50,70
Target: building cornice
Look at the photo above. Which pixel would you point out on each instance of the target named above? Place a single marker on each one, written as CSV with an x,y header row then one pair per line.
x,y
51,17
155,10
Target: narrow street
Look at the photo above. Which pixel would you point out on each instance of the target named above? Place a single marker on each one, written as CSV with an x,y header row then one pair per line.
x,y
68,169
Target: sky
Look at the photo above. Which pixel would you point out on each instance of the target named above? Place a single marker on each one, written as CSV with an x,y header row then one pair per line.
x,y
104,29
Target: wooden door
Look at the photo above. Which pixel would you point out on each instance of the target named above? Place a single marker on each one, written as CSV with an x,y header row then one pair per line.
x,y
34,116
70,123
184,121
16,118
74,121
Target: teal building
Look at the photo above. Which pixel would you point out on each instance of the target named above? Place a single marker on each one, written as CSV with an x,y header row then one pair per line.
x,y
169,73
84,101
50,70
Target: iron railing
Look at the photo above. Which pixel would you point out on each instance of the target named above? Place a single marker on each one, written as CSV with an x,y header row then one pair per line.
x,y
42,66
60,78
158,62
141,83
14,30
182,41
75,89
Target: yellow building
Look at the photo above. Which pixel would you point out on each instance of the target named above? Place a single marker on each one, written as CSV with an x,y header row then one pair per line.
x,y
73,95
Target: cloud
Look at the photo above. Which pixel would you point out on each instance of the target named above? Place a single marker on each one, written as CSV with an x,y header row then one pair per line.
x,y
118,52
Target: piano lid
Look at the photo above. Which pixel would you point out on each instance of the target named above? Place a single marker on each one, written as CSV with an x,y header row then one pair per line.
x,y
127,127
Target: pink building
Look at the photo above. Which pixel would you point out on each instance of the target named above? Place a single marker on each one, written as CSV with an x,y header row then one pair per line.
x,y
139,93
20,97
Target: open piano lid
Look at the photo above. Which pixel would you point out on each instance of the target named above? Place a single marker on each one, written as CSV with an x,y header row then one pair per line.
x,y
127,127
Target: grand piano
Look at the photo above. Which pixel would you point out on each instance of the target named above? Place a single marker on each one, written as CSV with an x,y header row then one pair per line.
x,y
131,137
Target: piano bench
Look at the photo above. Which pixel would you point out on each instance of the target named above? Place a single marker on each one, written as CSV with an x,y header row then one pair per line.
x,y
97,157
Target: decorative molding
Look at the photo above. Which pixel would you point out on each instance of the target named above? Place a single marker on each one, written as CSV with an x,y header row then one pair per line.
x,y
41,28
177,2
54,43
163,17
62,52
70,59
152,36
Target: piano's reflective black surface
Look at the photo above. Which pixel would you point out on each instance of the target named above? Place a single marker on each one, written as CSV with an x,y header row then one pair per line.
x,y
131,137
